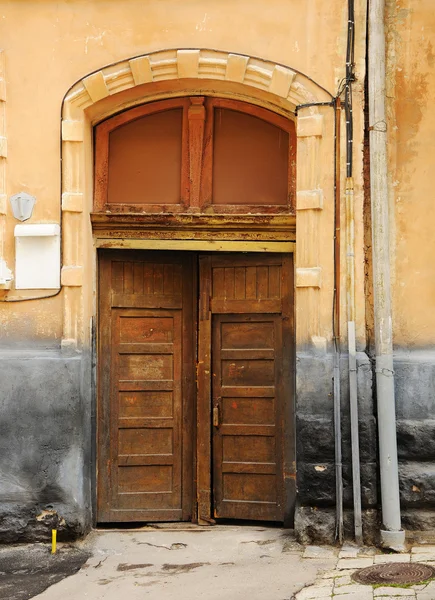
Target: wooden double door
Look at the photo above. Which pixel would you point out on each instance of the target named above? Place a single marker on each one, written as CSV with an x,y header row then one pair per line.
x,y
195,400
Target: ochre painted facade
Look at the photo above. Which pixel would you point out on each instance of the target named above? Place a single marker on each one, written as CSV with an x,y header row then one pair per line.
x,y
65,67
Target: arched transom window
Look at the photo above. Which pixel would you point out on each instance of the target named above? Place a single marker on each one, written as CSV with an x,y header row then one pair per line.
x,y
202,155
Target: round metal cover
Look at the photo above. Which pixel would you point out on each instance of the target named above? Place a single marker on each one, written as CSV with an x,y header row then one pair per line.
x,y
394,573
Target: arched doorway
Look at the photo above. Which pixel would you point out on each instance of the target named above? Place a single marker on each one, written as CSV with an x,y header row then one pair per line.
x,y
195,408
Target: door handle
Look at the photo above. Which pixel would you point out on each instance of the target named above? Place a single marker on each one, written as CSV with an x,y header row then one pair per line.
x,y
216,416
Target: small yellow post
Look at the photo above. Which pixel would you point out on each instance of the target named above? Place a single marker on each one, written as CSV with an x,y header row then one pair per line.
x,y
53,541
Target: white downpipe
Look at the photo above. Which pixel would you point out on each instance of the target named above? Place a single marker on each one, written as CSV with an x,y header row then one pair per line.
x,y
392,535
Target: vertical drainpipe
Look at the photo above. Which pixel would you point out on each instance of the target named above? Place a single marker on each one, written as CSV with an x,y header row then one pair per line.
x,y
392,535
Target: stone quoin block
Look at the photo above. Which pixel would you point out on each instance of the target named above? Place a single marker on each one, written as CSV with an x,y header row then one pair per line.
x,y
310,126
236,68
72,202
71,276
187,63
96,86
309,200
308,277
281,82
141,70
72,131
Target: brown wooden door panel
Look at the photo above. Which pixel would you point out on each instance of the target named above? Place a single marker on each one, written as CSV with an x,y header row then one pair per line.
x,y
248,479
144,467
251,328
147,329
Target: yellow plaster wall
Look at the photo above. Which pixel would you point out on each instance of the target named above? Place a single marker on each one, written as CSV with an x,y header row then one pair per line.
x,y
49,45
411,130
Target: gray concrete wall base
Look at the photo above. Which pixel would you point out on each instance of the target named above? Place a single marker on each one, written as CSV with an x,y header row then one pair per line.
x,y
419,519
415,407
317,525
44,445
315,521
414,377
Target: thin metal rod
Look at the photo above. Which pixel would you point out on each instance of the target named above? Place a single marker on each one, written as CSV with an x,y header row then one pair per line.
x,y
351,342
336,332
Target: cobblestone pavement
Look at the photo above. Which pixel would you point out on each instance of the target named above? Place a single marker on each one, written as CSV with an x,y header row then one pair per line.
x,y
338,584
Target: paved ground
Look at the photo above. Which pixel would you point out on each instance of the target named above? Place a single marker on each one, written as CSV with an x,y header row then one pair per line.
x,y
27,570
337,583
216,563
231,563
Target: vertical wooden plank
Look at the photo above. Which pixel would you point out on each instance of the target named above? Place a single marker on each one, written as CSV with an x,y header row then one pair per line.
x,y
138,277
218,284
217,440
274,281
128,278
148,279
203,447
116,280
229,283
251,283
262,282
168,280
240,283
177,431
288,371
103,404
184,176
196,144
114,404
281,395
178,279
189,279
158,280
206,192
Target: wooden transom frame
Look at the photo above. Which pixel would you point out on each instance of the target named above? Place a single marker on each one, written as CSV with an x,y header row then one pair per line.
x,y
226,233
197,143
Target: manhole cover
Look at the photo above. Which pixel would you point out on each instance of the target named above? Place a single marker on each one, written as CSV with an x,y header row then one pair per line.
x,y
394,573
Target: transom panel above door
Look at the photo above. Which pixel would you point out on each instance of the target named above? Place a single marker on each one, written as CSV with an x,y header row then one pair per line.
x,y
197,155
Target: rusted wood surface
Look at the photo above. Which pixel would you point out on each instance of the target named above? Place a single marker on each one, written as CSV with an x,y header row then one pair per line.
x,y
144,417
251,387
203,447
195,227
196,116
172,450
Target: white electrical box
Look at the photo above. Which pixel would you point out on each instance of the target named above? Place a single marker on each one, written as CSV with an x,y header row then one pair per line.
x,y
37,256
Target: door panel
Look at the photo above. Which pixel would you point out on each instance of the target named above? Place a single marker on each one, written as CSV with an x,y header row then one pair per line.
x,y
147,356
250,316
144,467
248,481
